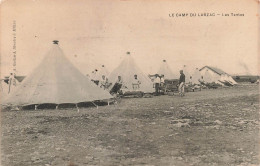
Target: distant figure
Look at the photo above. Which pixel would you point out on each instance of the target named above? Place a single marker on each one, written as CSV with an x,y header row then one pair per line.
x,y
103,82
181,83
117,86
108,84
162,81
157,84
10,81
136,83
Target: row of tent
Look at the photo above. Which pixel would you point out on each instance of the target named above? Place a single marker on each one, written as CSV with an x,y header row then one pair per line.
x,y
129,68
56,80
206,74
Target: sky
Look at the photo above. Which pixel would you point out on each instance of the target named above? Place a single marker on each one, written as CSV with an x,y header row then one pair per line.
x,y
102,31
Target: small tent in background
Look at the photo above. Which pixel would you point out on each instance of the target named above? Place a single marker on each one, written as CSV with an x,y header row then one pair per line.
x,y
218,75
166,71
188,76
102,71
127,69
56,80
196,77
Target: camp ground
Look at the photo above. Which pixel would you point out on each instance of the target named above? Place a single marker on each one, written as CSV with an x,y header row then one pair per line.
x,y
57,115
129,82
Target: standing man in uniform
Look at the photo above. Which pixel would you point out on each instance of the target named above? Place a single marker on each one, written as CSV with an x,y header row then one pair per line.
x,y
157,84
136,83
181,83
162,83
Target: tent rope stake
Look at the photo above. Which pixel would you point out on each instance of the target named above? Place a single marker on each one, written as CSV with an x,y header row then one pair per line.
x,y
95,104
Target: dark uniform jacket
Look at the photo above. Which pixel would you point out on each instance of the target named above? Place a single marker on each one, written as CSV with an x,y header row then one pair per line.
x,y
182,78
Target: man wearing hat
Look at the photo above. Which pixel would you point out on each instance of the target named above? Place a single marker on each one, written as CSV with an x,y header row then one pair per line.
x,y
181,83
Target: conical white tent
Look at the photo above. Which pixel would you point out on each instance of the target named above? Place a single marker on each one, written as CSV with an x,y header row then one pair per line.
x,y
127,69
56,80
166,71
196,77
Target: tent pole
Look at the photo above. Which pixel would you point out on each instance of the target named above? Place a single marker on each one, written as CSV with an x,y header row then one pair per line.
x,y
57,106
77,107
35,107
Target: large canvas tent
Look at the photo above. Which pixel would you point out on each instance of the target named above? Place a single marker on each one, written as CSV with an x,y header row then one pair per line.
x,y
56,81
166,71
127,69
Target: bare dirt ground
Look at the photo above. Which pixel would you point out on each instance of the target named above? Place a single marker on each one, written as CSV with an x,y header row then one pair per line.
x,y
210,127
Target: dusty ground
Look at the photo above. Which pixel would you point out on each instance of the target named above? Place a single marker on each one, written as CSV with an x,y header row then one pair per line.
x,y
211,127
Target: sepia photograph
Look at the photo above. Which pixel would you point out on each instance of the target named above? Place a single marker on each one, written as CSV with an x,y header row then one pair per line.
x,y
129,82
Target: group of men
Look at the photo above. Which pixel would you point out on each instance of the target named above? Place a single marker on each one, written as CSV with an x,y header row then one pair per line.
x,y
120,85
159,83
